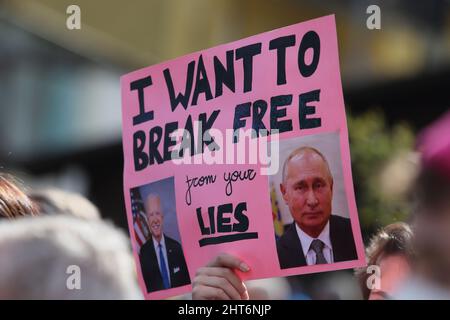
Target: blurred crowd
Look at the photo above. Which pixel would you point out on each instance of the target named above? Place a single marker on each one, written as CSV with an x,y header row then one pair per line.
x,y
54,245
48,238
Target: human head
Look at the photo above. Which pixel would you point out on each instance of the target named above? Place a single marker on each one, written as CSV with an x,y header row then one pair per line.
x,y
155,216
53,201
41,257
431,196
391,250
431,191
14,202
307,189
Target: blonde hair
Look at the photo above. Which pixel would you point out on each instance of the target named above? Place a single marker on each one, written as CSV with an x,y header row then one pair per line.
x,y
14,202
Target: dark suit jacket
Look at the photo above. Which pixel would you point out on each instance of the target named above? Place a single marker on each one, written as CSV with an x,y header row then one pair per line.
x,y
290,253
179,275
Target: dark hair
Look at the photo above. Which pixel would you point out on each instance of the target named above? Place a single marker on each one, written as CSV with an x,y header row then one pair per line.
x,y
14,202
396,238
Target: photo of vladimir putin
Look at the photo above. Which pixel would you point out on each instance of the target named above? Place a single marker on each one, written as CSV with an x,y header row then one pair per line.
x,y
162,261
316,236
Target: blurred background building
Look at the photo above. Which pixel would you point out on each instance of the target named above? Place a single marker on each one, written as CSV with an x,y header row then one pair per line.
x,y
60,109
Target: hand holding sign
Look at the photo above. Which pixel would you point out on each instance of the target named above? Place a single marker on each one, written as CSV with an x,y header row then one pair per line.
x,y
219,281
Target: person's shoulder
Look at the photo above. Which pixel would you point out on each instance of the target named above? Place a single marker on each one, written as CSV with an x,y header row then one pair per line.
x,y
171,242
147,245
146,249
340,222
286,238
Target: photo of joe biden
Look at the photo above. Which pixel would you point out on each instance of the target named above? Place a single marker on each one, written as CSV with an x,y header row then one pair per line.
x,y
162,260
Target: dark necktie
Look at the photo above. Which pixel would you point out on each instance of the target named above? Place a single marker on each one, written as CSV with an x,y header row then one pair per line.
x,y
317,247
162,267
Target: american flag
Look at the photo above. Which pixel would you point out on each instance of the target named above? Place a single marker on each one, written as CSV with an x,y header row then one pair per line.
x,y
141,229
276,214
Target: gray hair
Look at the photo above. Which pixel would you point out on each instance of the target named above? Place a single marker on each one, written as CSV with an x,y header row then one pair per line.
x,y
55,201
302,150
152,196
36,255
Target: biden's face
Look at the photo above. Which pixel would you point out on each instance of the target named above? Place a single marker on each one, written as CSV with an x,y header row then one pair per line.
x,y
155,217
308,191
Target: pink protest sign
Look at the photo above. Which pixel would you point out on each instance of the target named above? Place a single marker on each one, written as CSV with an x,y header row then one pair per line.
x,y
241,148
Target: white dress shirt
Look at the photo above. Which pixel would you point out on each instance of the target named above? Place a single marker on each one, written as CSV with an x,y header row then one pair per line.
x,y
306,240
164,251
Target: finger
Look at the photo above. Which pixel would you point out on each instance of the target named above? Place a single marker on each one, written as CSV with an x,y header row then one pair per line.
x,y
228,261
245,295
221,283
208,293
228,274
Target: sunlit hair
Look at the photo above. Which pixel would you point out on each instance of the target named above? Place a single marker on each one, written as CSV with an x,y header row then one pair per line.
x,y
14,202
301,150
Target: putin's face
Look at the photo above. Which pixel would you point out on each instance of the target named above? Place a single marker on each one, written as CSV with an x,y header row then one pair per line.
x,y
155,217
308,191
